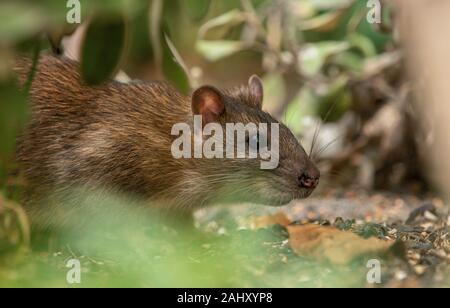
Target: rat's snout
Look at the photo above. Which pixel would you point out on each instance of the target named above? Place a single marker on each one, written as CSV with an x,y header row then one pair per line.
x,y
310,178
307,181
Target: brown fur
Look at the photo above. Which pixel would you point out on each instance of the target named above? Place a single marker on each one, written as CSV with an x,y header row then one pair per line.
x,y
116,137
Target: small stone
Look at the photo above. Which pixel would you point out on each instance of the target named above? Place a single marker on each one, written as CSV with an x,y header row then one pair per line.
x,y
401,275
430,216
420,269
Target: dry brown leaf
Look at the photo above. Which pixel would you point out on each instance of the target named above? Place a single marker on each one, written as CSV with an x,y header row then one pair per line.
x,y
333,245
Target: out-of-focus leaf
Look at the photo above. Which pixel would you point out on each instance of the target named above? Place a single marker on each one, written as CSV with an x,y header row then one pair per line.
x,y
198,9
381,63
303,9
113,7
216,50
331,103
19,22
140,44
303,105
274,91
349,61
103,49
323,23
369,30
330,4
313,56
225,22
362,43
13,115
173,66
336,100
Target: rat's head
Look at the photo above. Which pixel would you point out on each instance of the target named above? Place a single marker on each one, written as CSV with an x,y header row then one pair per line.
x,y
294,176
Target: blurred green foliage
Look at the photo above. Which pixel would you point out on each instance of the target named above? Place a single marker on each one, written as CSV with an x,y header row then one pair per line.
x,y
146,251
100,61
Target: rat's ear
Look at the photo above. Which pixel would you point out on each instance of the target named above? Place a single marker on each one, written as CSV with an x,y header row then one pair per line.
x,y
255,86
208,102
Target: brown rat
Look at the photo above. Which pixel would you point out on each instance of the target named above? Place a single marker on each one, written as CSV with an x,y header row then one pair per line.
x,y
117,137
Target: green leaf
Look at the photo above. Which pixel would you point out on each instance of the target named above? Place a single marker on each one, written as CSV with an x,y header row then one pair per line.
x,y
330,4
362,43
304,9
198,9
113,7
173,66
313,56
223,23
216,50
323,23
349,60
336,100
274,91
303,105
103,49
331,104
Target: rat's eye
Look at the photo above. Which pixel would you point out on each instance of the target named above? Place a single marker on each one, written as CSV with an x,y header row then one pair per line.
x,y
253,142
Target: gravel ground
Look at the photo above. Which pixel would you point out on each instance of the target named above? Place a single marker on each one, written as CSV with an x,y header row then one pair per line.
x,y
418,228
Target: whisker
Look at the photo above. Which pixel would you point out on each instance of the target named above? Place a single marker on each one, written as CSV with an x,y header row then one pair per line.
x,y
319,126
325,147
313,142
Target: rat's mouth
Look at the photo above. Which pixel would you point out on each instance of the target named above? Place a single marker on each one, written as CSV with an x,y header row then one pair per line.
x,y
274,194
285,198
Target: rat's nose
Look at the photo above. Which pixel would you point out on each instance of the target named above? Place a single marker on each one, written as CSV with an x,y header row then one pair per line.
x,y
307,181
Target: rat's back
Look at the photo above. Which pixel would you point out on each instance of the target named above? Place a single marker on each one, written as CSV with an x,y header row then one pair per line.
x,y
92,137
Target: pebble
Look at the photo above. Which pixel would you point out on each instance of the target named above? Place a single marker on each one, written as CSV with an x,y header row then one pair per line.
x,y
420,269
401,275
430,216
